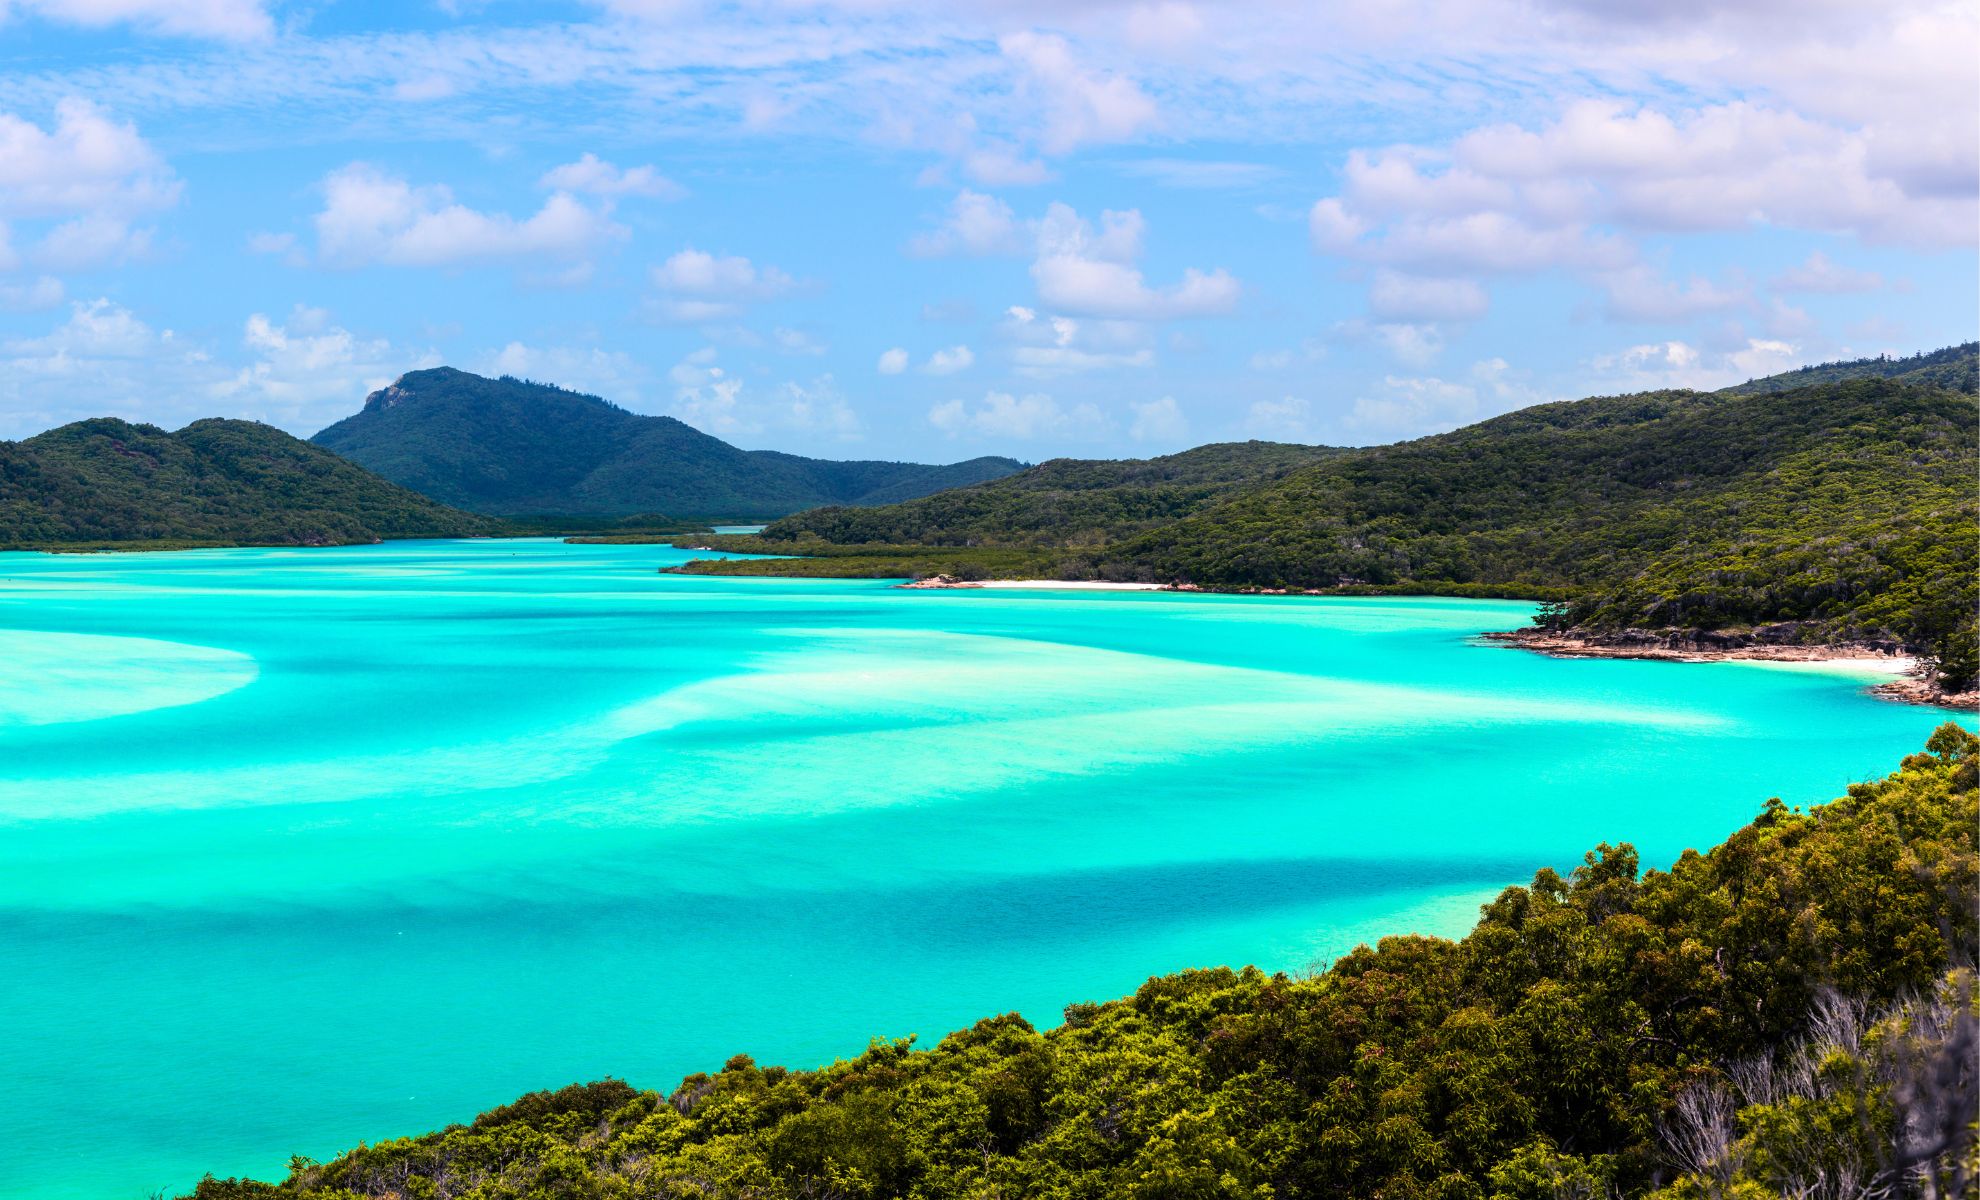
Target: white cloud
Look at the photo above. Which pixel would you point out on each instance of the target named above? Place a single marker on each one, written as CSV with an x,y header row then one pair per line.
x,y
1160,421
817,408
975,224
1020,418
95,329
369,216
86,163
1818,274
1089,272
1399,297
300,374
230,20
310,372
43,292
593,176
612,374
1057,345
699,287
892,362
714,401
1677,364
1080,106
949,361
1409,408
92,241
1641,294
1413,344
1569,194
694,272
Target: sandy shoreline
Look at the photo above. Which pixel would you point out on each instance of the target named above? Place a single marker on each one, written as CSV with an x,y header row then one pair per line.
x,y
1906,681
944,582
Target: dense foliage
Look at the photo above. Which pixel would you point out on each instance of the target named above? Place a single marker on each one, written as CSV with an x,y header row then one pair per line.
x,y
1792,1007
108,483
509,446
1847,510
1064,502
1955,368
1842,509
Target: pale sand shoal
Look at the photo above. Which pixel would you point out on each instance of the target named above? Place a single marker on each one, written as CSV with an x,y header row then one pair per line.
x,y
1065,585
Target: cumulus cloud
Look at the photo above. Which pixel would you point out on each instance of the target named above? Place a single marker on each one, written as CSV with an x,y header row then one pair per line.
x,y
949,361
1080,105
370,216
1002,415
1057,345
613,374
1818,274
300,373
308,372
86,163
698,286
1572,195
1089,272
1641,294
1678,364
892,362
591,175
975,224
710,398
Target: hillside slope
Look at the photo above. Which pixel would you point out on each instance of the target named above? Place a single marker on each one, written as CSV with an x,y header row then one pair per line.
x,y
1792,1007
1063,502
509,447
1839,510
1955,367
215,481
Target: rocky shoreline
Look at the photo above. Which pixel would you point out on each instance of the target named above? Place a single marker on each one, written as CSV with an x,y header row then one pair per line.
x,y
1914,684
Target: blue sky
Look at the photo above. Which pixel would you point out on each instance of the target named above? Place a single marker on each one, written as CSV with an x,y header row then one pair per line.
x,y
857,229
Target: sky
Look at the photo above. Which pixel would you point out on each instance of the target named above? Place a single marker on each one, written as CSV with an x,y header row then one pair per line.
x,y
896,229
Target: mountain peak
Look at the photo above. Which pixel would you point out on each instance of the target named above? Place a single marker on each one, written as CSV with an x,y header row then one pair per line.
x,y
510,445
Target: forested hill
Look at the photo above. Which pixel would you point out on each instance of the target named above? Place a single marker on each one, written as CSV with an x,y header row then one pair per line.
x,y
1848,508
508,446
1792,1010
1067,501
1840,510
1955,367
213,482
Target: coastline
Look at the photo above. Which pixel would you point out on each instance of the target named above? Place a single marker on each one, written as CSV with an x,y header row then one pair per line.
x,y
947,582
1910,683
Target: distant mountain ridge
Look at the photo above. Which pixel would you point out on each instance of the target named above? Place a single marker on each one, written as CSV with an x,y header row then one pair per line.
x,y
508,446
106,481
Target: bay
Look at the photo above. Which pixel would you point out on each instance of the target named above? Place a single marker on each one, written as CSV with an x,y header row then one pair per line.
x,y
300,848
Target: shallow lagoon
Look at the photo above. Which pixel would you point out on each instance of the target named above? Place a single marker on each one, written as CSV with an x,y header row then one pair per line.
x,y
304,847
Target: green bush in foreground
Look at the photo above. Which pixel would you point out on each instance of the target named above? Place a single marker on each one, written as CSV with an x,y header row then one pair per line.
x,y
1789,1014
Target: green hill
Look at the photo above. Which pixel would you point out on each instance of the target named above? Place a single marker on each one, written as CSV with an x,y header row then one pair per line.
x,y
214,482
1792,1008
1846,509
512,447
1955,367
1063,502
1842,509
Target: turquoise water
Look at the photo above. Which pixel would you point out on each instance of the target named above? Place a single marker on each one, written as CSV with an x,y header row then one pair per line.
x,y
301,848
